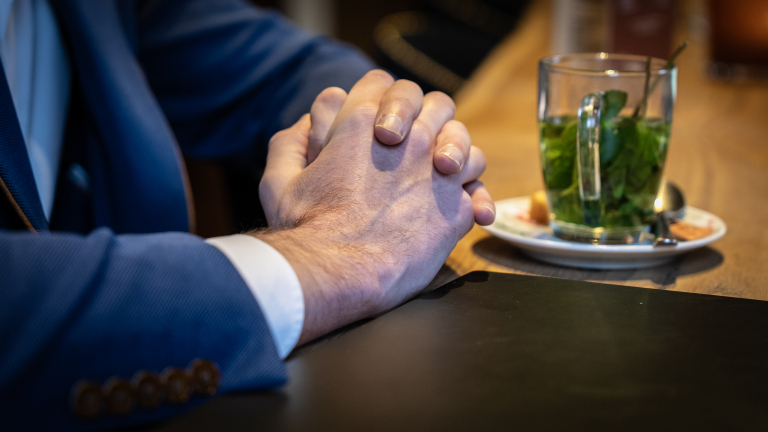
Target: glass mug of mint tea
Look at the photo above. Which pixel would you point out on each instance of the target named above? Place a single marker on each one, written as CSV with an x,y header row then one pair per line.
x,y
604,122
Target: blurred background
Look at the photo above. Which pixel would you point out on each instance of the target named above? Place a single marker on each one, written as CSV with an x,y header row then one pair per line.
x,y
439,43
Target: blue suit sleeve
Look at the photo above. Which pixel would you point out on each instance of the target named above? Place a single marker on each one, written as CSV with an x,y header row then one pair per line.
x,y
104,305
229,75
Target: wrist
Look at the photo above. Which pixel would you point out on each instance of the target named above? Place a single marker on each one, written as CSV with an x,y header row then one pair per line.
x,y
339,285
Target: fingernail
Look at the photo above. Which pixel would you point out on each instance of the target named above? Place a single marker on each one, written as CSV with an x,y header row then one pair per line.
x,y
490,209
392,123
453,153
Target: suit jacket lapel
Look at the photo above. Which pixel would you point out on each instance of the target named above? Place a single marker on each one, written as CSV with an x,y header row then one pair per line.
x,y
16,180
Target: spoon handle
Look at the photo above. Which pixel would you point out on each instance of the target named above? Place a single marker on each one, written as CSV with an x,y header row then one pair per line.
x,y
666,238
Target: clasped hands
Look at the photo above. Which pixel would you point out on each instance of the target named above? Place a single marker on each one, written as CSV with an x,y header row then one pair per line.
x,y
367,195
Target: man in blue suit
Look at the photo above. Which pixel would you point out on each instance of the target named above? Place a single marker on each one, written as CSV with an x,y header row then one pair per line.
x,y
110,315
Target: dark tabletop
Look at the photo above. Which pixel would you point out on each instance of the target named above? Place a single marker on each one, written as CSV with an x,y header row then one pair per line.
x,y
500,352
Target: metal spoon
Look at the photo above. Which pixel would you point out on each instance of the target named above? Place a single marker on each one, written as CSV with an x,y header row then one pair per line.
x,y
670,204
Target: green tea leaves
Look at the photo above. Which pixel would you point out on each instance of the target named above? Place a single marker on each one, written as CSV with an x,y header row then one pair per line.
x,y
610,145
613,103
632,154
559,155
617,178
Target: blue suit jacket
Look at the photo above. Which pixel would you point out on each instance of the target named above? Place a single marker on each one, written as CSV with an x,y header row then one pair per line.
x,y
113,284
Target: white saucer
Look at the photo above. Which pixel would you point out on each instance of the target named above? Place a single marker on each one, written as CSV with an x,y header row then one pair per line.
x,y
513,225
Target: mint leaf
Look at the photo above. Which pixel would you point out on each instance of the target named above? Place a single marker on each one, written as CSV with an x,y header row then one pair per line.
x,y
617,177
610,145
559,155
613,103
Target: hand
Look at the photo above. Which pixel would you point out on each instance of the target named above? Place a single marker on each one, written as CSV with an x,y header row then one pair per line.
x,y
368,225
399,107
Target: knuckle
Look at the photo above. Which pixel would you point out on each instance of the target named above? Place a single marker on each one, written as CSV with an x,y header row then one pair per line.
x,y
440,98
285,135
422,133
277,137
478,154
331,95
458,127
477,157
409,86
366,107
365,112
379,74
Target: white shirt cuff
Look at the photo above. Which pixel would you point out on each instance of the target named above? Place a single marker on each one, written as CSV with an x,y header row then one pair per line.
x,y
272,281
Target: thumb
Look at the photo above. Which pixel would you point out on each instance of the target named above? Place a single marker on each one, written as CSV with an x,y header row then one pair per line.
x,y
286,159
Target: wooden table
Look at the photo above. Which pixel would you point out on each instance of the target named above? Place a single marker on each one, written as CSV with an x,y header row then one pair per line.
x,y
718,156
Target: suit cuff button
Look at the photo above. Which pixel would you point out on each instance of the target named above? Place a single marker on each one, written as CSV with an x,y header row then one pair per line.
x,y
120,396
86,400
150,392
177,385
205,376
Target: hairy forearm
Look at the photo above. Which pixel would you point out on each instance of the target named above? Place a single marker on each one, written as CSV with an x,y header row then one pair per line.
x,y
339,286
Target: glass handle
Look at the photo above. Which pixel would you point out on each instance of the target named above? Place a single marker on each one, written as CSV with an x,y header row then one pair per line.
x,y
588,149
